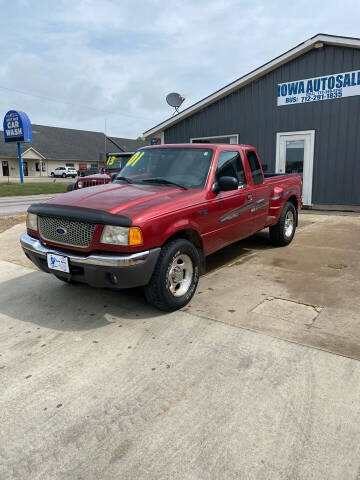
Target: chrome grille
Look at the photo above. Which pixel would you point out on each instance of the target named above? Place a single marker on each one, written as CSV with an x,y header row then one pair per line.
x,y
76,233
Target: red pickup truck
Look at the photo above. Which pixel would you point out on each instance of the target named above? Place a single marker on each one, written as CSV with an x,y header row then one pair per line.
x,y
171,207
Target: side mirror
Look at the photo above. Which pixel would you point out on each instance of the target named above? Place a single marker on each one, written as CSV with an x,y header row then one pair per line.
x,y
70,187
227,183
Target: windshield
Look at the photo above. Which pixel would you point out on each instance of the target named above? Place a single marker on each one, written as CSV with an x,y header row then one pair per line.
x,y
187,167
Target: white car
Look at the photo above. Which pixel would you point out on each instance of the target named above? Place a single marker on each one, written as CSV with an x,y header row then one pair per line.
x,y
64,172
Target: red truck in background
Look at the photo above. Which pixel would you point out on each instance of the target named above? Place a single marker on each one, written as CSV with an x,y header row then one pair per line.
x,y
171,206
114,164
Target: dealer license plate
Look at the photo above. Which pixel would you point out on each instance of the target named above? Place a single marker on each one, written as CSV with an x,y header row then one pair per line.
x,y
58,262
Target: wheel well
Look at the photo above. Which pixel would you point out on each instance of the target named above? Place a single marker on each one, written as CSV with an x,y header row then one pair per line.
x,y
188,234
293,200
193,237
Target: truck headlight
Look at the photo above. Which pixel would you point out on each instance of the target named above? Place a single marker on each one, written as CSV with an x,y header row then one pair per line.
x,y
80,184
121,235
31,221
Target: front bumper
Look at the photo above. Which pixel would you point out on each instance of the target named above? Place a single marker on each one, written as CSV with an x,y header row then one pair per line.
x,y
100,270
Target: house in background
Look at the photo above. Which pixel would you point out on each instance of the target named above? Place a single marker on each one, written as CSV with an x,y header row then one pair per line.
x,y
54,147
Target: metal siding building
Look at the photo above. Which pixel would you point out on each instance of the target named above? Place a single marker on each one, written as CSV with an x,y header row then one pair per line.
x,y
250,114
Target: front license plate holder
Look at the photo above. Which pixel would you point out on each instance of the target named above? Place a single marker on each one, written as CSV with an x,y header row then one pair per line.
x,y
58,262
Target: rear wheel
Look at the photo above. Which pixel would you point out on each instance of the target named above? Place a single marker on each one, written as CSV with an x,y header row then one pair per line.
x,y
52,174
175,277
63,175
283,232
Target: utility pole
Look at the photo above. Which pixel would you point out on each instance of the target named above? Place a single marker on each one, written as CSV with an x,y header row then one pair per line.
x,y
105,143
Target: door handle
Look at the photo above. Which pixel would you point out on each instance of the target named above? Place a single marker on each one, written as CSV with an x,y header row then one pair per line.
x,y
250,196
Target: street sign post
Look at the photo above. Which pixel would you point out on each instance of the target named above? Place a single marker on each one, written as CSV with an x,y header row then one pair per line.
x,y
17,128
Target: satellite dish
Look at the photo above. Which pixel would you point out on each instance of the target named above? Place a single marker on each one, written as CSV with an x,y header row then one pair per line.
x,y
175,100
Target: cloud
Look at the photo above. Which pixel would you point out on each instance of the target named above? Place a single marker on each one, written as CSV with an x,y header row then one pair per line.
x,y
87,61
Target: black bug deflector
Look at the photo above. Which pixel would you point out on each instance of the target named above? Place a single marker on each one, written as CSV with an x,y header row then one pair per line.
x,y
80,213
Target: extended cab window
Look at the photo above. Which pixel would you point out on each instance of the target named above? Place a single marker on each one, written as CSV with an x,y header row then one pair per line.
x,y
230,165
255,168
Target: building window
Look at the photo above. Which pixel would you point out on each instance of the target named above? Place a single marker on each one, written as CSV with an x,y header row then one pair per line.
x,y
255,168
93,165
43,166
70,164
232,139
230,165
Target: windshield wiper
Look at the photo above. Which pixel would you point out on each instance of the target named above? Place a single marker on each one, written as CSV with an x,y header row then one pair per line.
x,y
124,178
163,181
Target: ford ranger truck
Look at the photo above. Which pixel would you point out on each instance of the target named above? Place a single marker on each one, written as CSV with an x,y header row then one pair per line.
x,y
171,206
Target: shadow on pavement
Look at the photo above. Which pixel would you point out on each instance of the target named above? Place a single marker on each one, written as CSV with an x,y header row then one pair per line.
x,y
41,299
238,252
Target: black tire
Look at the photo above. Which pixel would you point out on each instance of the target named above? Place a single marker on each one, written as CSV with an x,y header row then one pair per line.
x,y
52,174
69,281
279,234
63,175
157,292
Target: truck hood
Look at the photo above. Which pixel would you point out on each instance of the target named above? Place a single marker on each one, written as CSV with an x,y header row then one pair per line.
x,y
139,202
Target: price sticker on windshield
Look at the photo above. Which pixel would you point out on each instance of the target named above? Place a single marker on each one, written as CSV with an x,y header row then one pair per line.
x,y
134,159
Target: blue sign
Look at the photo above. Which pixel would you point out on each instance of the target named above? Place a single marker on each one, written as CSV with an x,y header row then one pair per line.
x,y
17,127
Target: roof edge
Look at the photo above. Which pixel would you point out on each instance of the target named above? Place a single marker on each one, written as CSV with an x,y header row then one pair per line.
x,y
255,74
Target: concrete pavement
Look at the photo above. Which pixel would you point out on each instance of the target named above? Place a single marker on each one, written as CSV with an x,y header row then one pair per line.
x,y
97,384
40,179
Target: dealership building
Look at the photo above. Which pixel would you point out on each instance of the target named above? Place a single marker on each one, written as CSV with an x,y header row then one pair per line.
x,y
54,147
300,110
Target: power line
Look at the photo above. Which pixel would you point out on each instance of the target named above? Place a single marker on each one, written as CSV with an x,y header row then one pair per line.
x,y
103,112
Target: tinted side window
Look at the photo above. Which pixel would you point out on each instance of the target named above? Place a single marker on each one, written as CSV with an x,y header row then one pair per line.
x,y
255,168
230,165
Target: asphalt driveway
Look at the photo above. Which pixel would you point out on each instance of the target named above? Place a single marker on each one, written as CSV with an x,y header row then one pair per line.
x,y
258,378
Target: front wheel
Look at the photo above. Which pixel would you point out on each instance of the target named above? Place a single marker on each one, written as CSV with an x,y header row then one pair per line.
x,y
283,232
63,175
175,277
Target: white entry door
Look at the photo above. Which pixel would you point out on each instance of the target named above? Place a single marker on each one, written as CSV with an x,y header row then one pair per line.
x,y
295,154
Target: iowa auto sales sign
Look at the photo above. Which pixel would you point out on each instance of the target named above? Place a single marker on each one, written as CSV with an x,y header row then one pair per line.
x,y
319,88
17,127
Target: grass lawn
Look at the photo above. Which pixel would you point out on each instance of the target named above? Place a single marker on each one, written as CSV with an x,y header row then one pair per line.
x,y
7,189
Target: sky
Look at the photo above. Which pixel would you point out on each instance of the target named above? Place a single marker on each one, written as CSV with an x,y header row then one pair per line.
x,y
107,65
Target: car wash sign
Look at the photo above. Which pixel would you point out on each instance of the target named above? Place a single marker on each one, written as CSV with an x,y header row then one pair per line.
x,y
328,87
17,127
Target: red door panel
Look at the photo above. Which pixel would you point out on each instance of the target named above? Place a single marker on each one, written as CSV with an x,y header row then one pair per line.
x,y
229,219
